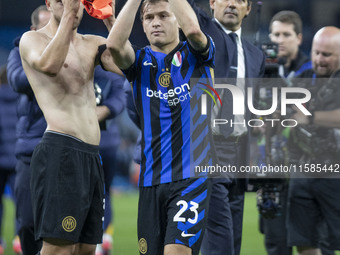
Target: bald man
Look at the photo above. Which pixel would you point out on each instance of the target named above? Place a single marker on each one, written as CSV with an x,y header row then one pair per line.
x,y
315,202
325,62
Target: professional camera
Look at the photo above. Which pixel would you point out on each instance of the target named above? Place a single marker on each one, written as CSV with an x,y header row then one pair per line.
x,y
317,141
273,67
268,197
273,61
269,186
314,141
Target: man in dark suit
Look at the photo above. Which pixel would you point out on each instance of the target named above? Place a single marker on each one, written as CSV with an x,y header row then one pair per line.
x,y
236,59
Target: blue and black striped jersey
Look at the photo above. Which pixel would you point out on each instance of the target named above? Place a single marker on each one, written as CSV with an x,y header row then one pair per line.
x,y
167,97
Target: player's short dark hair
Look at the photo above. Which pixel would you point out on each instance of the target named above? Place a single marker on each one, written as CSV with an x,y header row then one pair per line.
x,y
288,17
145,3
35,15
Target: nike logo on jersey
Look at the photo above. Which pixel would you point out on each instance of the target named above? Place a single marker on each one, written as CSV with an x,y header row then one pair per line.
x,y
183,234
146,63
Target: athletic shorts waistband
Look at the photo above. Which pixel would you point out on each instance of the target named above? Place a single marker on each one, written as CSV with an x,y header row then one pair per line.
x,y
65,140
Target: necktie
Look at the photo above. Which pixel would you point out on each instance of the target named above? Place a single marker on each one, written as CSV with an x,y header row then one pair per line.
x,y
233,63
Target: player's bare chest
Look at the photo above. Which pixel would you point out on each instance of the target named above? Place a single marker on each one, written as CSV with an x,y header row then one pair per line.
x,y
79,61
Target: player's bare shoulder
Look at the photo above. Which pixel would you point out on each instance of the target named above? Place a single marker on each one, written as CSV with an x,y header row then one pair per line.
x,y
95,39
34,35
90,43
102,55
33,42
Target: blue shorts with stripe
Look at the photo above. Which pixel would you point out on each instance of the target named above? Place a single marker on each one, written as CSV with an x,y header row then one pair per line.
x,y
173,213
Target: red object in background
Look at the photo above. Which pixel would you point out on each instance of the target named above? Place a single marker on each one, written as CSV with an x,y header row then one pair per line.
x,y
99,9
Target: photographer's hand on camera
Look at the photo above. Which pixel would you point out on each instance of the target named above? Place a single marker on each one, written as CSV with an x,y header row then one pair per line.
x,y
301,118
317,134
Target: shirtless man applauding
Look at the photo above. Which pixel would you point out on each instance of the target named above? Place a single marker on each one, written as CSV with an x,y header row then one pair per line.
x,y
67,183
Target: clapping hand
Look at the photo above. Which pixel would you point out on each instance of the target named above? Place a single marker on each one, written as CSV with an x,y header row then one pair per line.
x,y
111,20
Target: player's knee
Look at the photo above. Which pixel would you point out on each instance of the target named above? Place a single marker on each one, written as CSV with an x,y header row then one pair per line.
x,y
57,247
85,249
176,249
303,250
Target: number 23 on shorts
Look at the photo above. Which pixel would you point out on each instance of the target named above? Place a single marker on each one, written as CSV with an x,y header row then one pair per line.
x,y
193,206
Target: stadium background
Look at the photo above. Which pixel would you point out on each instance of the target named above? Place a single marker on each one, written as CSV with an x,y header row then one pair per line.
x,y
15,20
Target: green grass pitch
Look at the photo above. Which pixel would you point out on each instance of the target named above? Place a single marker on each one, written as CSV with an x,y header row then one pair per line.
x,y
125,224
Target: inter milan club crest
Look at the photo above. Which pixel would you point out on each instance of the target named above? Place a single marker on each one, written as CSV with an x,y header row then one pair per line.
x,y
177,59
69,224
165,78
142,246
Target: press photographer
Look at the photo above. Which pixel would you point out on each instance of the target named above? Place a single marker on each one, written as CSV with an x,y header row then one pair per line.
x,y
315,201
317,139
285,61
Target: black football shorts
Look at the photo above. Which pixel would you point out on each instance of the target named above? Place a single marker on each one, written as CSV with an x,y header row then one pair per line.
x,y
67,188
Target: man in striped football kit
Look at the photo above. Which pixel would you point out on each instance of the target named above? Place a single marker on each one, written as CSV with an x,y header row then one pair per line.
x,y
169,78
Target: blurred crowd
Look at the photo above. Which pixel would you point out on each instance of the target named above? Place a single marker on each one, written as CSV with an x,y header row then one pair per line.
x,y
22,125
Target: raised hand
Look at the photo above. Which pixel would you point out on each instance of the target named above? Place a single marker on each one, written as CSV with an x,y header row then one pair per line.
x,y
71,6
111,20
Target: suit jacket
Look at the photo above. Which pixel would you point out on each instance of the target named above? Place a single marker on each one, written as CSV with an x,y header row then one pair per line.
x,y
225,48
254,57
